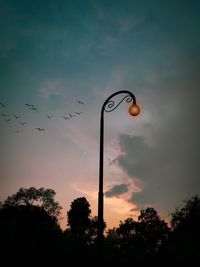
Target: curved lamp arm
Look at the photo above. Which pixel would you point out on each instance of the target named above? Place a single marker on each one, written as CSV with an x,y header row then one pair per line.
x,y
109,104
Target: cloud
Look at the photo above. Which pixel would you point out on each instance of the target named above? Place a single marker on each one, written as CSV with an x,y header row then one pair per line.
x,y
53,88
117,190
116,208
167,166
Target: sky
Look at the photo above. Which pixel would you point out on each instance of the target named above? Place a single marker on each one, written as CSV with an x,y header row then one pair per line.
x,y
67,57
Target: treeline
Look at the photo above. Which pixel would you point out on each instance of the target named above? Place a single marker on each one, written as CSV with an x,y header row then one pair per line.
x,y
30,234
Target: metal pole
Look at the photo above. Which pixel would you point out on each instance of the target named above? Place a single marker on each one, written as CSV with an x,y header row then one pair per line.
x,y
108,106
100,195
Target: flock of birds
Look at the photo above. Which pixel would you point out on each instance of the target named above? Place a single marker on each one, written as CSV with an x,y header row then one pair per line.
x,y
7,117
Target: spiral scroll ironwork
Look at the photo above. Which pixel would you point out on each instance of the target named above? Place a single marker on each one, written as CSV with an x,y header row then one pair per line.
x,y
110,105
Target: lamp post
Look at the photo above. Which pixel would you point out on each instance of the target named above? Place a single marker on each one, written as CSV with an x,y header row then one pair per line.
x,y
108,106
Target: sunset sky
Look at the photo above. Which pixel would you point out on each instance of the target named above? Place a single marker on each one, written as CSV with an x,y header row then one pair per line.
x,y
54,54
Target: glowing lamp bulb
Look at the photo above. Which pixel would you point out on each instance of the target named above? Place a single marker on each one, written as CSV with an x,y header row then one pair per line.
x,y
134,110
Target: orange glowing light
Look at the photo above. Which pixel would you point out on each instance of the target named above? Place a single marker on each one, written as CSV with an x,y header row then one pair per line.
x,y
134,110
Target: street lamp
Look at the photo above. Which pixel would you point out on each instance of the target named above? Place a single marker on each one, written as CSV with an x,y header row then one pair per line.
x,y
108,106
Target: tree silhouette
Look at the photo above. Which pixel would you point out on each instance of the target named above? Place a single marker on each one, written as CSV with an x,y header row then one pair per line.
x,y
187,217
79,219
138,239
29,232
93,230
183,245
82,226
79,232
127,242
152,229
41,197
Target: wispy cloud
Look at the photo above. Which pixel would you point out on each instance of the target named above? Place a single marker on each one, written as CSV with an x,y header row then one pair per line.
x,y
54,87
117,190
127,24
119,206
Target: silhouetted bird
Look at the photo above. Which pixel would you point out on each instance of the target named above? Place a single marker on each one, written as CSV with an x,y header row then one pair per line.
x,y
23,123
29,105
40,129
80,102
16,116
4,115
3,105
66,118
34,108
78,113
7,120
112,162
71,116
49,116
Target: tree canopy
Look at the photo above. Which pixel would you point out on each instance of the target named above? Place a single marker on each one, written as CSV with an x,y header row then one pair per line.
x,y
183,245
29,232
141,238
79,216
41,197
188,216
153,229
29,228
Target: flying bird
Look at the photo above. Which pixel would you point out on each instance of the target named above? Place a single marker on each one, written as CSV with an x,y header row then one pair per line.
x,y
66,118
40,129
78,113
49,116
80,102
23,123
113,162
3,105
29,105
16,117
71,116
34,108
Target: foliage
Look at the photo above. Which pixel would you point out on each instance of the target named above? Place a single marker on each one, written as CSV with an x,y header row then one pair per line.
x,y
82,226
28,232
188,216
29,229
152,229
41,197
183,245
93,230
79,217
138,238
